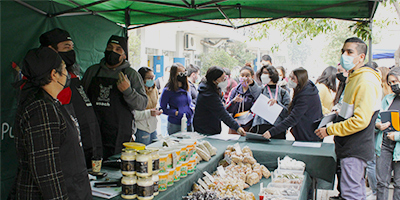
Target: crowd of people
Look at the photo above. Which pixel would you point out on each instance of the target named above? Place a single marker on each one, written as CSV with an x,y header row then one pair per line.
x,y
63,121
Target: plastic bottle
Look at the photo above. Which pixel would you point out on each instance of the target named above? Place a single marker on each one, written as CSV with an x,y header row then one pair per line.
x,y
184,123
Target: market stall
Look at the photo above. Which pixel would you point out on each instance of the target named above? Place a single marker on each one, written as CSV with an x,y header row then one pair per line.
x,y
320,164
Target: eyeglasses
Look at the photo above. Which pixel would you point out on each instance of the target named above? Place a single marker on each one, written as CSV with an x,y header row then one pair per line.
x,y
183,73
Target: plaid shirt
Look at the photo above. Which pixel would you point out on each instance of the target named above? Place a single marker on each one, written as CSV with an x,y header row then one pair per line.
x,y
39,132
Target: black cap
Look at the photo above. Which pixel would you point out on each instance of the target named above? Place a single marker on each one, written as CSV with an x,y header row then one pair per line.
x,y
122,41
39,62
54,37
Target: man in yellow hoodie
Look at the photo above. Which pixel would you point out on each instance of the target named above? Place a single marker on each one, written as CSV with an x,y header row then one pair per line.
x,y
354,133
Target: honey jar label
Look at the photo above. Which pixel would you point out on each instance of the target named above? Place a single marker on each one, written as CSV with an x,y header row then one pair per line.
x,y
129,189
145,191
142,167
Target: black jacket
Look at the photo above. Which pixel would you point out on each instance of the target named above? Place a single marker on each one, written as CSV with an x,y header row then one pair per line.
x,y
306,109
210,111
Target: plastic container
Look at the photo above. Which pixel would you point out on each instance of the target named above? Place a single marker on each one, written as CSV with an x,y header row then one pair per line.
x,y
182,152
176,152
145,188
144,165
177,175
163,163
128,162
287,177
162,181
191,165
184,169
129,187
190,148
184,123
168,152
134,145
171,175
155,184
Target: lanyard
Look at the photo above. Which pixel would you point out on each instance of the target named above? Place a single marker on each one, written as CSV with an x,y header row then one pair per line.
x,y
276,93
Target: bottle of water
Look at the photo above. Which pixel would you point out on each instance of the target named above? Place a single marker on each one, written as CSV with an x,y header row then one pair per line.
x,y
184,123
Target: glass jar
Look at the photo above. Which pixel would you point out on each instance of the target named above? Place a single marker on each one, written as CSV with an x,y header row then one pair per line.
x,y
155,160
145,188
144,164
129,187
128,157
155,184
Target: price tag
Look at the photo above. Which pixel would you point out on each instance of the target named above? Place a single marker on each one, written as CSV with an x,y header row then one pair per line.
x,y
238,149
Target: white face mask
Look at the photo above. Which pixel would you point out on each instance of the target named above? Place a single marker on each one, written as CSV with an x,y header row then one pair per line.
x,y
265,79
291,84
223,85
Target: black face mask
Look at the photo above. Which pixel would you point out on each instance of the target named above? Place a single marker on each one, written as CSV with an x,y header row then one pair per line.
x,y
341,77
112,58
69,57
67,82
395,88
182,79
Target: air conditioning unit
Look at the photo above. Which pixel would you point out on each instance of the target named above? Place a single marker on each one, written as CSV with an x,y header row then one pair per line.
x,y
189,42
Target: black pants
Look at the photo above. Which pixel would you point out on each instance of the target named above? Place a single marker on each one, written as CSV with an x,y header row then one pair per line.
x,y
260,129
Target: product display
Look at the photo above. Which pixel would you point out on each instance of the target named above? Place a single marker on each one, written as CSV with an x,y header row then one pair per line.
x,y
129,187
144,164
128,162
145,188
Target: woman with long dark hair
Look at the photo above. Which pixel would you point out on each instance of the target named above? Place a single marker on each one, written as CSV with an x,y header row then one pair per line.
x,y
210,110
146,120
269,77
304,109
175,99
326,84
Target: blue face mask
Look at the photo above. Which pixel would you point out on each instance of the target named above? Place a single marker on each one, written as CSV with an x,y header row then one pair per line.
x,y
347,62
149,83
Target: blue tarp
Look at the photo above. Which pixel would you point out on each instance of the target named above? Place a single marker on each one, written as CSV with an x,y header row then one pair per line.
x,y
382,53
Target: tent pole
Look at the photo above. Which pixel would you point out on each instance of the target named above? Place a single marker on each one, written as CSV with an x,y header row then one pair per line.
x,y
370,45
31,7
127,21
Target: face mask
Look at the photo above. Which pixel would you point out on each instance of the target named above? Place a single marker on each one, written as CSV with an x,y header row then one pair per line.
x,y
68,57
198,80
395,88
112,58
265,79
291,84
223,85
280,78
341,77
149,83
67,81
182,78
242,81
347,62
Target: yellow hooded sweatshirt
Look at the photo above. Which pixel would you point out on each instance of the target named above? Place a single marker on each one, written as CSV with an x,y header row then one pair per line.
x,y
362,97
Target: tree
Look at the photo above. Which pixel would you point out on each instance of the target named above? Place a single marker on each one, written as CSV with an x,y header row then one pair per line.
x,y
134,49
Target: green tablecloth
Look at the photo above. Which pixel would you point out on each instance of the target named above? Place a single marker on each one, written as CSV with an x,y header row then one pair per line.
x,y
320,163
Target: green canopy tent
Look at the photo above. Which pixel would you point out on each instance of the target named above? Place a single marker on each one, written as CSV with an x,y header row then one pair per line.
x,y
91,22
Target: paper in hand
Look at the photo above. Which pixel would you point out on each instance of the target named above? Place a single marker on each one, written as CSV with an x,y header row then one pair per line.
x,y
262,108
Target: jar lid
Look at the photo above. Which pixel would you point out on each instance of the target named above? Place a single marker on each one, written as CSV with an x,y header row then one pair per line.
x,y
127,150
144,152
134,145
129,176
145,177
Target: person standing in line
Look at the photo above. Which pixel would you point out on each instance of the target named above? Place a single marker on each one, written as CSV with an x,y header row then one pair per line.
x,y
326,84
146,120
231,84
162,81
51,162
269,77
241,99
387,145
304,109
175,100
193,77
74,97
115,89
354,133
210,110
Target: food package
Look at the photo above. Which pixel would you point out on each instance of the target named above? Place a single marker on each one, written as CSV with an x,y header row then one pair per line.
x,y
266,173
252,178
204,155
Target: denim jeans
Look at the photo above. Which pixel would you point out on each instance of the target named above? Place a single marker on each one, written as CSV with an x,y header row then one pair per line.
x,y
174,128
352,182
384,167
371,173
145,137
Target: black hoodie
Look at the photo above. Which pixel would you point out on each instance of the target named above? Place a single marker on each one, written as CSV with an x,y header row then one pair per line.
x,y
210,111
306,109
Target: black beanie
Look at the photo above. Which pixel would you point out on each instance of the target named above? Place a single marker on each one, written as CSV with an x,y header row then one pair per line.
x,y
54,37
122,41
39,62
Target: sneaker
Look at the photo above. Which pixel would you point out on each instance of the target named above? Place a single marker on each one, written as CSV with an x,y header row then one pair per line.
x,y
336,198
